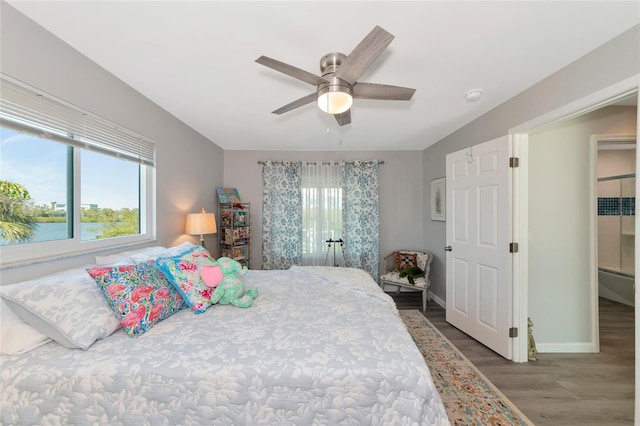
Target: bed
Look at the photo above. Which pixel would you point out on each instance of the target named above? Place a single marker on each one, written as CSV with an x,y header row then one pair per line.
x,y
319,345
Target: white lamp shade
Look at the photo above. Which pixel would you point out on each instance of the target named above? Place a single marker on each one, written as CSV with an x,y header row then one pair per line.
x,y
335,102
201,223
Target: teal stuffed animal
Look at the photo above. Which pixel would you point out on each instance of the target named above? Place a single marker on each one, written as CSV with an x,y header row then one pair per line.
x,y
411,273
230,291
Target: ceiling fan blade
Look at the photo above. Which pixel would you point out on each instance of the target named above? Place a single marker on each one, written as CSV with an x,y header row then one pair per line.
x,y
296,104
382,91
344,118
364,54
291,71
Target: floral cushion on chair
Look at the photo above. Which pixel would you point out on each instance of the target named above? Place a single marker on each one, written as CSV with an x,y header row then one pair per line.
x,y
394,278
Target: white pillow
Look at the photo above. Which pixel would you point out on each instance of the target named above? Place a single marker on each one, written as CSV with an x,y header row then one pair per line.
x,y
124,257
162,252
68,307
113,259
16,336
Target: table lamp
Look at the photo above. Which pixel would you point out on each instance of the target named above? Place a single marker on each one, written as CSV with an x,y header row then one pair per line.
x,y
200,224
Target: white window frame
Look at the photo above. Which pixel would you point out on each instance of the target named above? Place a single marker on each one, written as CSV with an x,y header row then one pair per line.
x,y
27,253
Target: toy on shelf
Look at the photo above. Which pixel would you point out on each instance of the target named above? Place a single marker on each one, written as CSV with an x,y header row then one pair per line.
x,y
235,238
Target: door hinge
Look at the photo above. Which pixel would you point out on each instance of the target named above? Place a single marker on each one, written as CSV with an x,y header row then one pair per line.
x,y
514,161
513,332
513,247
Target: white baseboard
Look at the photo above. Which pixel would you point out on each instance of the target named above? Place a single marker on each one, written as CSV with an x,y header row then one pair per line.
x,y
574,347
440,302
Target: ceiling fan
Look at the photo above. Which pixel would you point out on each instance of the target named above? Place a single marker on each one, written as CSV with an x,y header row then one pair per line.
x,y
338,85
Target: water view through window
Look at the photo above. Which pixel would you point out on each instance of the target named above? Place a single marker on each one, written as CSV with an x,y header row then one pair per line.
x,y
37,187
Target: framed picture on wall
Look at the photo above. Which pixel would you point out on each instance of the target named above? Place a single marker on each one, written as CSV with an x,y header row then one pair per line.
x,y
438,202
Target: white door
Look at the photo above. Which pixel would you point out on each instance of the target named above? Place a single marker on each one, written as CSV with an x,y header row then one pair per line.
x,y
478,264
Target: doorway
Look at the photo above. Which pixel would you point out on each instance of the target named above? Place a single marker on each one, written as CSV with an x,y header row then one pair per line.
x,y
526,292
615,194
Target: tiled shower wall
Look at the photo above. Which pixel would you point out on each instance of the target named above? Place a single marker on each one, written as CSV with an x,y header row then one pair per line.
x,y
616,206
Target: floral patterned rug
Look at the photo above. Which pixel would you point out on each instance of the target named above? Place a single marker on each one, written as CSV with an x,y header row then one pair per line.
x,y
468,396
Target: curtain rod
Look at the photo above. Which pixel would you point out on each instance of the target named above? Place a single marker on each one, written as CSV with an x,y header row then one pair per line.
x,y
324,162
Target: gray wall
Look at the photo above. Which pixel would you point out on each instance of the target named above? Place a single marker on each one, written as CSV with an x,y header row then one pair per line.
x,y
401,189
615,61
188,165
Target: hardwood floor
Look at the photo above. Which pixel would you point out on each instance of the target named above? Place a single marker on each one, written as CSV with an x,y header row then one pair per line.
x,y
558,389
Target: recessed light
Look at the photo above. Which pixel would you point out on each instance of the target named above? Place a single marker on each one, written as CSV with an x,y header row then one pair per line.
x,y
473,95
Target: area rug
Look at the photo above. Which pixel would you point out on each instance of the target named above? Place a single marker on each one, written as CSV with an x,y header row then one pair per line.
x,y
468,396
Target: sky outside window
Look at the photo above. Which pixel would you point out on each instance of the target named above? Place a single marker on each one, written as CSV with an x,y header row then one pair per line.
x,y
40,166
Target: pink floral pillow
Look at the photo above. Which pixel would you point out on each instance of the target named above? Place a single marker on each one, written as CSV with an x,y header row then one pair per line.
x,y
139,294
184,273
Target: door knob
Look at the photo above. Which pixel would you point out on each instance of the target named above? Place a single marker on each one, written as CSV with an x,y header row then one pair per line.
x,y
448,248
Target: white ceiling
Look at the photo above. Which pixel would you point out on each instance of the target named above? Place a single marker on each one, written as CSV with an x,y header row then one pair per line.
x,y
196,60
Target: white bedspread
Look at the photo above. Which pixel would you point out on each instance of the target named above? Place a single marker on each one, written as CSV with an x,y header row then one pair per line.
x,y
311,350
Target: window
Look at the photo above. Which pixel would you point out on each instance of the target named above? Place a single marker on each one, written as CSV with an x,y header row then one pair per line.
x,y
321,210
302,207
69,181
110,197
41,168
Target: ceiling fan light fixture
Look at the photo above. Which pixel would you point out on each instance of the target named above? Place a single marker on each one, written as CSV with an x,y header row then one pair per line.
x,y
335,97
335,102
339,75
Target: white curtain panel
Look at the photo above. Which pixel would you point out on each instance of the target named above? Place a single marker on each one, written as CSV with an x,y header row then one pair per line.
x,y
322,207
